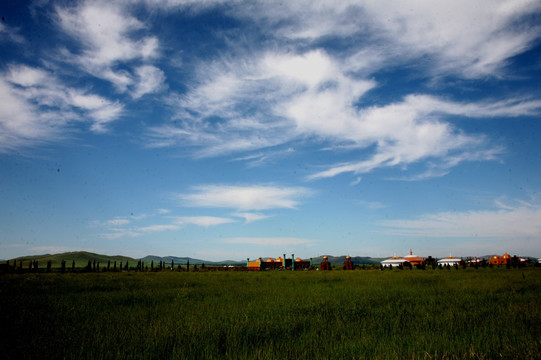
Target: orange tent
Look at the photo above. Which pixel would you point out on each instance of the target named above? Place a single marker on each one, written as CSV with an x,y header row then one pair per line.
x,y
495,260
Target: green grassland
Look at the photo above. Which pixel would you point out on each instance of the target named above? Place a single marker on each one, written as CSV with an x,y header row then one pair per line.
x,y
362,314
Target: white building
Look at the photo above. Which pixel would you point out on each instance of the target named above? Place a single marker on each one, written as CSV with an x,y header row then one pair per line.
x,y
394,262
451,261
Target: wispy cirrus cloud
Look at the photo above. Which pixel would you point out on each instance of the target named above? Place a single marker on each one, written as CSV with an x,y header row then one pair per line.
x,y
472,43
37,107
415,129
204,221
317,93
105,32
311,96
250,217
51,249
517,221
8,33
269,241
150,80
249,197
159,221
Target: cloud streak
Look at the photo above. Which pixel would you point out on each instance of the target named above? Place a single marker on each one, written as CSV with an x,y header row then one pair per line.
x,y
311,96
244,198
512,222
120,227
37,108
204,221
105,32
269,241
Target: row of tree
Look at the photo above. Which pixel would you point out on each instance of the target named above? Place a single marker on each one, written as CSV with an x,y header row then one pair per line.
x,y
94,266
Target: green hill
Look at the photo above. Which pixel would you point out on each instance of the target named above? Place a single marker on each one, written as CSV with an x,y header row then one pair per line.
x,y
183,260
81,259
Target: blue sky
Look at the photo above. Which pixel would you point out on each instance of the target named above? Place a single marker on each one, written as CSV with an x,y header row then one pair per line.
x,y
234,129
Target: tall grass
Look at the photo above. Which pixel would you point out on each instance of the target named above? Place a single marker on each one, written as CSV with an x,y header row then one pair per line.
x,y
473,314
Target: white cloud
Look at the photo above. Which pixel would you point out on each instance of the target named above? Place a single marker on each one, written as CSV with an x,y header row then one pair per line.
x,y
264,157
505,222
471,43
413,130
156,228
118,222
119,233
357,181
269,241
374,205
37,107
10,34
121,227
204,221
105,31
150,80
51,249
314,95
251,217
285,90
119,230
250,197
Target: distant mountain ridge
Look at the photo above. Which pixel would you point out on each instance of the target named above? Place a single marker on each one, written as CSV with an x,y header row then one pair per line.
x,y
184,260
82,258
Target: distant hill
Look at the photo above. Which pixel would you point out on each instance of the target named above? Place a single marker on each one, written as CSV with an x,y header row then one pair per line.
x,y
184,260
82,258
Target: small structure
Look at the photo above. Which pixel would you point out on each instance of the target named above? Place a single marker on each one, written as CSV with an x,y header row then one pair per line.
x,y
495,260
450,261
395,261
275,264
348,264
476,262
325,264
415,260
301,264
500,260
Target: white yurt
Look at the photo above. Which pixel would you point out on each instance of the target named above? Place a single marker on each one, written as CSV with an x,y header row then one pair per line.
x,y
394,262
450,260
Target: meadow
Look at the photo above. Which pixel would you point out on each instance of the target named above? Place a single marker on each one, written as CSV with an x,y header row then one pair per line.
x,y
362,314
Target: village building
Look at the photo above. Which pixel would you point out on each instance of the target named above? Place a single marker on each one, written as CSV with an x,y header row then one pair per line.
x,y
477,262
301,264
394,262
325,264
494,260
414,260
450,261
348,264
500,260
277,264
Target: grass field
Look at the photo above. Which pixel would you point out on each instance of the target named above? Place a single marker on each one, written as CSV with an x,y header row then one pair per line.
x,y
371,314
